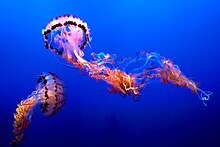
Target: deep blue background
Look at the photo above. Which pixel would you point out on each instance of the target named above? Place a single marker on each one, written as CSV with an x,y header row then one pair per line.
x,y
186,31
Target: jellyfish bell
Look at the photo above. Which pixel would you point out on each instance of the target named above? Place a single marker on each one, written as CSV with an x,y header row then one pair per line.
x,y
67,35
51,93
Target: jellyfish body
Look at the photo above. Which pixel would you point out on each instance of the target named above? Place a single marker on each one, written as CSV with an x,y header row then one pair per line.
x,y
52,96
49,95
67,35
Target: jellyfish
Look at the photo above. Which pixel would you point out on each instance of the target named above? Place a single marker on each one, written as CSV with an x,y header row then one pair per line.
x,y
66,36
49,96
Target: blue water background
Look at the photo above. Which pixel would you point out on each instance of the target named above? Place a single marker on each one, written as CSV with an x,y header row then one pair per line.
x,y
187,31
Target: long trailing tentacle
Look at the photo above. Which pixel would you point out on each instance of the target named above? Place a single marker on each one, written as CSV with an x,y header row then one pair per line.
x,y
23,117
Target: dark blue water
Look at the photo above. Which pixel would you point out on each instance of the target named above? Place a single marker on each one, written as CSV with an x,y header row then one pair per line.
x,y
188,32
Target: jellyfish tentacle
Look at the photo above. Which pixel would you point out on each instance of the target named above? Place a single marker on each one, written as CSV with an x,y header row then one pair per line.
x,y
204,95
23,117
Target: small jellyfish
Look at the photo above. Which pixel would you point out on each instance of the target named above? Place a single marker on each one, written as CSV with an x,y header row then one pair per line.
x,y
49,95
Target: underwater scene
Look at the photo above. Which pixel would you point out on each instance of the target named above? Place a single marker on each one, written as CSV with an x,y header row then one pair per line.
x,y
135,73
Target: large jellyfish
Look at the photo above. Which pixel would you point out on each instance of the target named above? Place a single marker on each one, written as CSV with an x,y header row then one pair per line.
x,y
49,96
67,35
